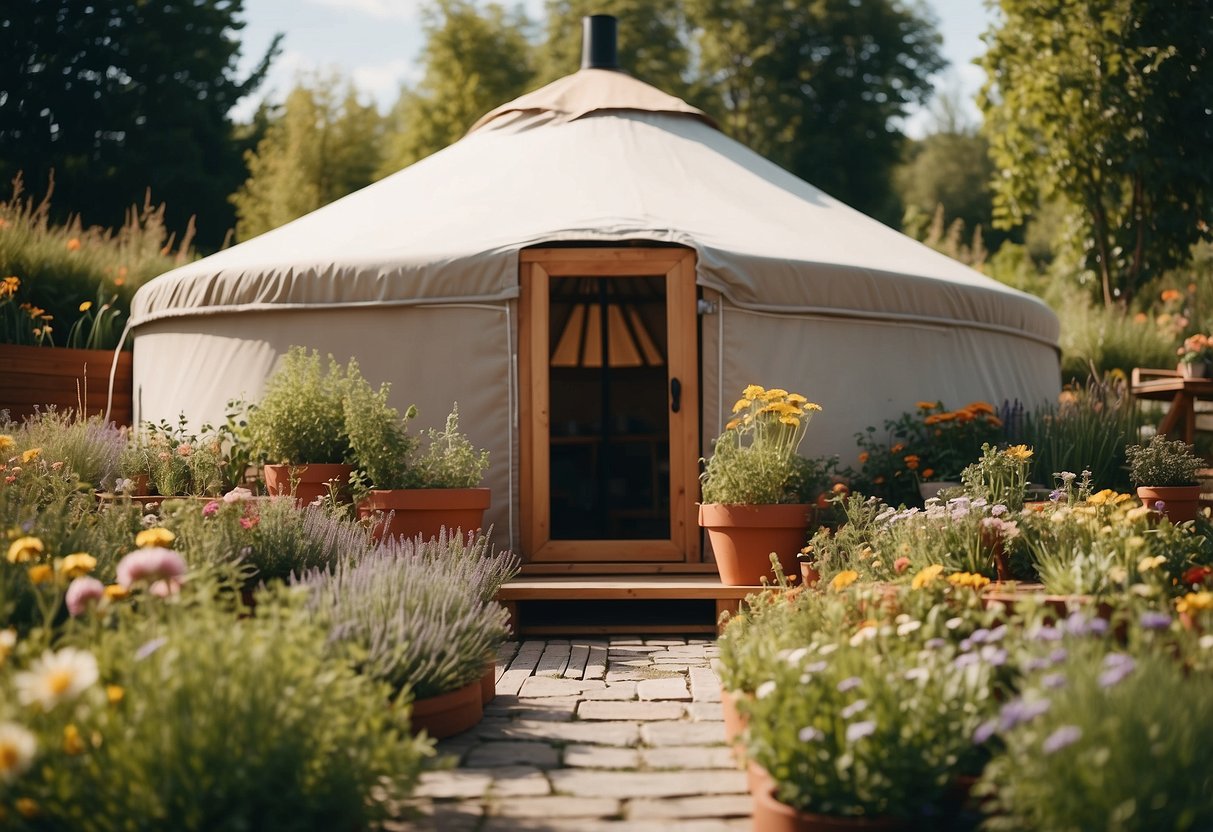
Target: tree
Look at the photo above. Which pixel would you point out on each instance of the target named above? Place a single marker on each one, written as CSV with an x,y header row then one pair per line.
x,y
326,144
951,170
818,86
651,41
1105,106
473,61
121,95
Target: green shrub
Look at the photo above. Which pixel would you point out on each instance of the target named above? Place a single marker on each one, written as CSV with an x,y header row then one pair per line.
x,y
1163,463
301,416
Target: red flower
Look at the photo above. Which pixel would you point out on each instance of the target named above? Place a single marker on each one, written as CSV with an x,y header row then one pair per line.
x,y
1197,575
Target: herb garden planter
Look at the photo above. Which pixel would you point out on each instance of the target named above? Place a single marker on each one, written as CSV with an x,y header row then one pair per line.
x,y
67,378
307,483
772,816
425,511
448,714
743,538
1180,502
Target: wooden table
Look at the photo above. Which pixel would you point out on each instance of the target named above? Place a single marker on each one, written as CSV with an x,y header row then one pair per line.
x,y
1182,393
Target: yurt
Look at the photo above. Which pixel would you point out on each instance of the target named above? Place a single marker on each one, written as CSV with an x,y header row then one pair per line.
x,y
594,272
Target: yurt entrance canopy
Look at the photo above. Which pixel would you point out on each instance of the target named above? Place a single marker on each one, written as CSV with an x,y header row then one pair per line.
x,y
596,209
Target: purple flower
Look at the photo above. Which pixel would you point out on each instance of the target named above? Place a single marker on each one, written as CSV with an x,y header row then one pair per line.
x,y
1097,627
1059,739
83,593
1018,711
1053,681
1045,633
936,643
859,730
849,683
1154,620
1117,667
210,508
854,708
996,656
984,731
1058,656
1055,495
980,636
966,660
149,648
1160,505
1037,663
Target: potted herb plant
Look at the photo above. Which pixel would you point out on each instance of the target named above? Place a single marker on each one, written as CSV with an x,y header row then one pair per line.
x,y
757,491
1164,472
1195,355
298,429
414,487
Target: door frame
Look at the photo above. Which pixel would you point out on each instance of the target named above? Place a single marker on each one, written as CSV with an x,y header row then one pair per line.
x,y
536,269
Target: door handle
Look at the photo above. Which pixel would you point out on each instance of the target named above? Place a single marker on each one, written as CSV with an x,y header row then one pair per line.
x,y
675,395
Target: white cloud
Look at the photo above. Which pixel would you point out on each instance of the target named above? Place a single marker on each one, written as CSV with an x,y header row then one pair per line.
x,y
382,81
382,9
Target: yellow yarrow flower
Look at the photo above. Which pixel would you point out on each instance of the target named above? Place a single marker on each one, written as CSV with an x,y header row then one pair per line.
x,y
30,455
6,443
114,694
41,574
844,579
1195,602
157,536
741,404
926,576
1019,453
25,549
72,743
753,391
78,564
971,579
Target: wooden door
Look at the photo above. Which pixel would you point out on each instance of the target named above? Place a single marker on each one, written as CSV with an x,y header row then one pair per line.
x,y
609,427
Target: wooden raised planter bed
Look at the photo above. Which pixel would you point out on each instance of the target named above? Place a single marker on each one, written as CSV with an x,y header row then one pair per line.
x,y
40,376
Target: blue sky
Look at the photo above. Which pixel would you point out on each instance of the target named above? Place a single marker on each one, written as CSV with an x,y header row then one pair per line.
x,y
376,43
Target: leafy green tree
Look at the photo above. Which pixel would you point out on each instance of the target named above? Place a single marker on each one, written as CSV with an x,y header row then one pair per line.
x,y
1105,106
474,60
951,170
326,144
651,41
119,96
818,86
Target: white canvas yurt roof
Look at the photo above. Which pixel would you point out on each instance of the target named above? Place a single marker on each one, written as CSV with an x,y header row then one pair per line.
x,y
418,277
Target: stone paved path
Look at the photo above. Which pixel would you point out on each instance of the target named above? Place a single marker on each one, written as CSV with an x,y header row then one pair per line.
x,y
593,734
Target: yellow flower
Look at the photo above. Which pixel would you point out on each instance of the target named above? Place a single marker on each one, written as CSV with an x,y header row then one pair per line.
x,y
775,393
27,807
1146,564
87,305
114,694
72,744
753,391
811,407
78,564
30,455
926,576
157,536
40,574
732,424
1019,453
6,443
797,399
740,405
968,579
1139,513
25,549
844,579
1195,602
1105,497
9,285
789,420
116,592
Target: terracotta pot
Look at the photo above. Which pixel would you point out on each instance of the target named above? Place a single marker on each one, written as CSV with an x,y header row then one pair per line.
x,y
993,543
488,682
311,481
426,511
1180,503
772,816
743,538
448,714
735,723
66,378
757,780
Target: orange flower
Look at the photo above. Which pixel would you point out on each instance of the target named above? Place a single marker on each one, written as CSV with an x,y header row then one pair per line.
x,y
898,448
980,407
1169,295
879,481
927,473
73,244
926,405
912,461
863,457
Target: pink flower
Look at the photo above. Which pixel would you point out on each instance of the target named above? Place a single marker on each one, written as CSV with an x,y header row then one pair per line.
x,y
901,564
249,522
150,564
237,495
210,508
82,593
165,588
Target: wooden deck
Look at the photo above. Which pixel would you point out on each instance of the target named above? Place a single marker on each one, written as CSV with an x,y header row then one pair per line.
x,y
610,604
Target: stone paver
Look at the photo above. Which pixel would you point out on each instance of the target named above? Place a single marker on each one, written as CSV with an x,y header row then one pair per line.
x,y
591,735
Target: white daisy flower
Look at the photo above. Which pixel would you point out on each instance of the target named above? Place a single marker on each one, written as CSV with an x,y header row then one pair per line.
x,y
17,749
56,677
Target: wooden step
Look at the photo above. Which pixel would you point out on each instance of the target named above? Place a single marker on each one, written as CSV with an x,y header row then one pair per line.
x,y
607,604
